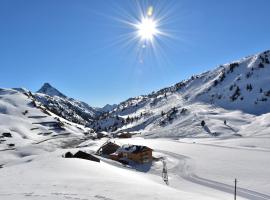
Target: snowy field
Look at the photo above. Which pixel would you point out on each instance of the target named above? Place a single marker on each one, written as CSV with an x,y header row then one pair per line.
x,y
198,169
215,164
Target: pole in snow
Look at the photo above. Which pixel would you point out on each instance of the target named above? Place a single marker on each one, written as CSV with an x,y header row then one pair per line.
x,y
235,183
165,173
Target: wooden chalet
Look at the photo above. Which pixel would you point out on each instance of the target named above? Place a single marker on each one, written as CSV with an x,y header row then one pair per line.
x,y
138,154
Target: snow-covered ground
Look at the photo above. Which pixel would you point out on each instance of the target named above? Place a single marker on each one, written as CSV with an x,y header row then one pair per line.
x,y
197,168
215,163
49,176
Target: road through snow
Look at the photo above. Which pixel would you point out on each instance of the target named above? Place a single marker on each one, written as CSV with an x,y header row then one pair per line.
x,y
184,170
195,165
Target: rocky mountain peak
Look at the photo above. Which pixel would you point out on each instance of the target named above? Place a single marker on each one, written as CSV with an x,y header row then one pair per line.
x,y
50,90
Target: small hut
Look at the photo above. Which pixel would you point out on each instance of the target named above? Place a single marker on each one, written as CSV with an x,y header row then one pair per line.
x,y
82,155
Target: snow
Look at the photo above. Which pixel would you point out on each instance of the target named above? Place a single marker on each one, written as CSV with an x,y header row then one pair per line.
x,y
210,96
198,169
33,126
52,177
130,148
215,164
68,108
202,161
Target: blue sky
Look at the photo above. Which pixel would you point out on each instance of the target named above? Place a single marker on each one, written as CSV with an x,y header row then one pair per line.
x,y
79,46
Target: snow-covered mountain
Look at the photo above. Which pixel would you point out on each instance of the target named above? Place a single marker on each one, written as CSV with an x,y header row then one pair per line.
x,y
50,91
26,121
107,108
228,99
37,129
68,108
238,92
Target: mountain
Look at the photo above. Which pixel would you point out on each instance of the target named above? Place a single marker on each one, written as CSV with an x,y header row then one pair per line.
x,y
107,108
236,92
27,121
228,99
50,91
70,109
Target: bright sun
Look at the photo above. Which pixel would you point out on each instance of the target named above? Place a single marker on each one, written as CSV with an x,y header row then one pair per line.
x,y
147,29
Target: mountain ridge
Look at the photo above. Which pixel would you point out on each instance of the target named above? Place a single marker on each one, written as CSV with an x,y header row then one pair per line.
x,y
240,86
50,90
70,109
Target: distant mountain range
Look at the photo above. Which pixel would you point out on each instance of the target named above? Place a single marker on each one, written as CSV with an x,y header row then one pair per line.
x,y
241,86
236,92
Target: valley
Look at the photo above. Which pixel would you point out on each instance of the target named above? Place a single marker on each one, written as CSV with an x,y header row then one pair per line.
x,y
210,129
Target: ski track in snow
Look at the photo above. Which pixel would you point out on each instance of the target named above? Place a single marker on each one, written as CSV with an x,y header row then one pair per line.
x,y
229,147
188,175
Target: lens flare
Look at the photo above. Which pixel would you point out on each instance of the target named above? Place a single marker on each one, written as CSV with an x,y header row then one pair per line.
x,y
150,11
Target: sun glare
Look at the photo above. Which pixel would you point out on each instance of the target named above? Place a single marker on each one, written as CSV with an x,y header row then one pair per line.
x,y
147,29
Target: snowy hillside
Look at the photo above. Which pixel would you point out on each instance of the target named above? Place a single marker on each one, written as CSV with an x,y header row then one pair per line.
x,y
237,92
68,108
241,85
25,121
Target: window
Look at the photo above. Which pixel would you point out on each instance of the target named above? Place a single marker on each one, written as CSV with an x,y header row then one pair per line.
x,y
145,160
145,156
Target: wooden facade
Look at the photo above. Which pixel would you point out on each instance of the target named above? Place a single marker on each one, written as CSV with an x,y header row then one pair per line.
x,y
126,153
136,153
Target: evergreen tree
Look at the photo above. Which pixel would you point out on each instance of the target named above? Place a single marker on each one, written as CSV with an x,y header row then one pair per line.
x,y
128,119
162,113
261,65
202,123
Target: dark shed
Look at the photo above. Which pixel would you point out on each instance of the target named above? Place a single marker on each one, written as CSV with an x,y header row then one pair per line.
x,y
68,155
86,156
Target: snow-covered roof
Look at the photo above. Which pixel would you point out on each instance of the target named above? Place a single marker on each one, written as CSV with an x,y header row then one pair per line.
x,y
132,148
